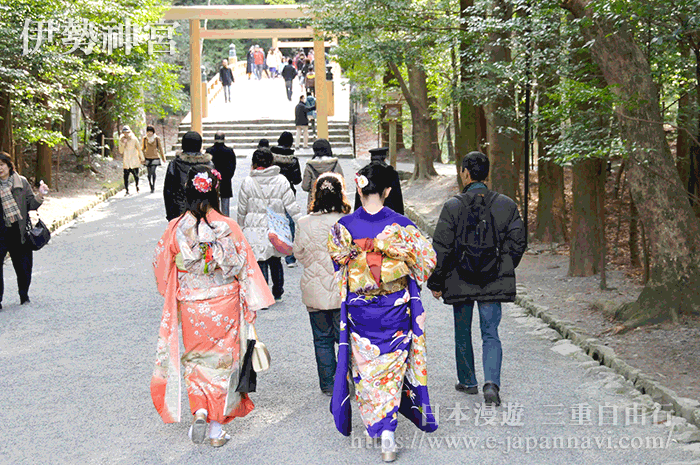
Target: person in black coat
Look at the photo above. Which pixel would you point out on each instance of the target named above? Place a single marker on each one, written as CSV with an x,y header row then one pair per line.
x,y
395,198
288,74
301,120
224,159
226,77
176,174
461,292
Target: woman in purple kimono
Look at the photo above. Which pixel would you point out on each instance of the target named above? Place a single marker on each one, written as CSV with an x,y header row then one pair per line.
x,y
382,259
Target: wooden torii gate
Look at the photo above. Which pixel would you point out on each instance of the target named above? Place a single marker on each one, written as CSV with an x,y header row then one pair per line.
x,y
196,13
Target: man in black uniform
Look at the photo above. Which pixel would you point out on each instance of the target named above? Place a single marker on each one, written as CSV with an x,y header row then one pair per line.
x,y
395,198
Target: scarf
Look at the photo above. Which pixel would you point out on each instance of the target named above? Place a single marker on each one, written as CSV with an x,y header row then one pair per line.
x,y
9,205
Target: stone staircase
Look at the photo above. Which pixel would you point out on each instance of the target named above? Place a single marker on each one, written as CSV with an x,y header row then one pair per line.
x,y
243,136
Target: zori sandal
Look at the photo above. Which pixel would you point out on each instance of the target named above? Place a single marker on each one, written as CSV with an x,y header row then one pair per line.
x,y
199,428
221,440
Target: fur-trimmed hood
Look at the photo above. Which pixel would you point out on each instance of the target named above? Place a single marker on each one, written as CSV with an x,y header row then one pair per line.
x,y
194,158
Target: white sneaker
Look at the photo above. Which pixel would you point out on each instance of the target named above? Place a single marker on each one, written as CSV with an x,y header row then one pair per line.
x,y
292,265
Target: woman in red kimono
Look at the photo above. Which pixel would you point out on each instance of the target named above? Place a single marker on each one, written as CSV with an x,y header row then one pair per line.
x,y
212,286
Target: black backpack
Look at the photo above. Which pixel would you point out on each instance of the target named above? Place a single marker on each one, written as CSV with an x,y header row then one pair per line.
x,y
478,246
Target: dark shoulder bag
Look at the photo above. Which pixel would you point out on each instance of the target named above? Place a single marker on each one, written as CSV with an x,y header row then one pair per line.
x,y
38,235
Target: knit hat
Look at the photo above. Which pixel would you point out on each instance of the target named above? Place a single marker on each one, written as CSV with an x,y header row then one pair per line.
x,y
192,142
286,139
322,148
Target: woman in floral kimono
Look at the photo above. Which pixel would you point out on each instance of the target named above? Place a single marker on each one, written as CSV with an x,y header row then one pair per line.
x,y
382,259
212,285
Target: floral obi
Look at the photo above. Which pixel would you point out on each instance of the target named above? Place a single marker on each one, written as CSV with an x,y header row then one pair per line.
x,y
381,265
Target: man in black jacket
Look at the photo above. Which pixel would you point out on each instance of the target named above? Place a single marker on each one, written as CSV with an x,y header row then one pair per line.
x,y
301,120
447,282
224,160
176,174
226,77
288,74
395,198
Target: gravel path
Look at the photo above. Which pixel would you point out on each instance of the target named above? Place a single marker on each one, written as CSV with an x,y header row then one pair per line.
x,y
77,364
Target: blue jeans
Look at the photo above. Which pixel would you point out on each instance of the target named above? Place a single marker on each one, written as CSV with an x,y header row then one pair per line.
x,y
290,258
325,326
489,319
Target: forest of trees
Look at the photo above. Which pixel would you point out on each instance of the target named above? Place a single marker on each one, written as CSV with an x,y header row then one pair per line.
x,y
610,80
43,82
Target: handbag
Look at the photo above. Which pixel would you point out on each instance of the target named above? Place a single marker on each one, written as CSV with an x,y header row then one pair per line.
x,y
261,356
247,380
38,235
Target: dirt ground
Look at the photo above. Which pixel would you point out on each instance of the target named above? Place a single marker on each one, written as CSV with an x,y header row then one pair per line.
x,y
667,352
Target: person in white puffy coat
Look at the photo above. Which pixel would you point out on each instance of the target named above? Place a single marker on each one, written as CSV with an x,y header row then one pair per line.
x,y
319,287
265,187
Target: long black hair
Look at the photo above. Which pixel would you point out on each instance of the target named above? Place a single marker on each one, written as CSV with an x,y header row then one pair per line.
x,y
198,202
329,194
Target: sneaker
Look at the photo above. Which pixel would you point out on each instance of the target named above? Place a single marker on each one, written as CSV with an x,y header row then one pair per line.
x,y
491,396
278,299
24,300
466,389
292,264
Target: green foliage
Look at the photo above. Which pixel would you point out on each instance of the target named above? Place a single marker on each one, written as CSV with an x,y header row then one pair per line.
x,y
43,85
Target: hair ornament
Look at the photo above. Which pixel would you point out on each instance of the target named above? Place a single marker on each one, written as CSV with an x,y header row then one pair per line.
x,y
202,182
326,185
361,181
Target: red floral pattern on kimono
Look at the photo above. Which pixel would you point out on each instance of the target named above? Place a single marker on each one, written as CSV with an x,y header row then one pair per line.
x,y
212,285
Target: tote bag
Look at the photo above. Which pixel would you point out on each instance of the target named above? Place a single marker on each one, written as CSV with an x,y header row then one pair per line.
x,y
279,232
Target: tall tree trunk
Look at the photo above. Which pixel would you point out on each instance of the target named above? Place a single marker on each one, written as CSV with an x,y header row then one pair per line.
x,y
586,236
104,119
423,143
6,142
44,159
416,94
436,150
685,128
694,171
467,138
500,144
481,136
671,228
635,258
551,204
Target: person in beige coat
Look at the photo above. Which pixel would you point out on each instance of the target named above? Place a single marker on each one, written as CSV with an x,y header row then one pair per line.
x,y
265,187
323,161
130,148
319,287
